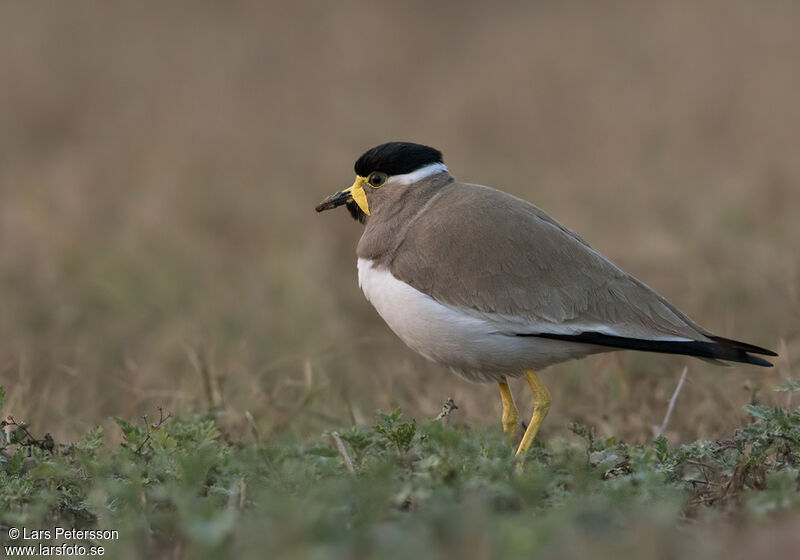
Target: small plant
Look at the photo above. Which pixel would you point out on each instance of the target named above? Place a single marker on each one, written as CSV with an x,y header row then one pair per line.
x,y
139,439
360,442
396,432
584,432
791,385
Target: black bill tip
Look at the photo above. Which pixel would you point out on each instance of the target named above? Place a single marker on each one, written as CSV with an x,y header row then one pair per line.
x,y
334,200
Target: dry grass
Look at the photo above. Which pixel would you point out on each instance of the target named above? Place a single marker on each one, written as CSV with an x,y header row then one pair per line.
x,y
159,169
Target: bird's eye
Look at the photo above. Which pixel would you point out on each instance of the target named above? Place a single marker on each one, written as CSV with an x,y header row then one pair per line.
x,y
377,179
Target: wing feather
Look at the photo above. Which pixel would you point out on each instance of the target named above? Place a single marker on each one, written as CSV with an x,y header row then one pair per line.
x,y
494,255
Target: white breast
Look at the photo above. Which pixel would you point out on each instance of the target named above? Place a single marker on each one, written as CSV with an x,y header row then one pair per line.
x,y
471,346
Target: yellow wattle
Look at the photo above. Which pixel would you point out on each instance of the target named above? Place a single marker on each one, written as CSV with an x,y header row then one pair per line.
x,y
358,194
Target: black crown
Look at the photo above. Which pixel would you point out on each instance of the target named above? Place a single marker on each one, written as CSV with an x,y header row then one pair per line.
x,y
397,158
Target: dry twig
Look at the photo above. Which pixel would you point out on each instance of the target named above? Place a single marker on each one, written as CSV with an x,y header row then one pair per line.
x,y
659,431
337,441
210,381
447,408
260,445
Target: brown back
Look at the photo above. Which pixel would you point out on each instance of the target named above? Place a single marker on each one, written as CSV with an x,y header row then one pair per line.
x,y
483,250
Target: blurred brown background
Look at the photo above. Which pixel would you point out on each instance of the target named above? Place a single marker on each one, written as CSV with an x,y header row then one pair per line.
x,y
159,167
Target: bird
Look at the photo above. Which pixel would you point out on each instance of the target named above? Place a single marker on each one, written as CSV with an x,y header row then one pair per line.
x,y
492,287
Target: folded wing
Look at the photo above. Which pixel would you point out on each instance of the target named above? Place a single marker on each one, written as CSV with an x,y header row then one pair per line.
x,y
533,277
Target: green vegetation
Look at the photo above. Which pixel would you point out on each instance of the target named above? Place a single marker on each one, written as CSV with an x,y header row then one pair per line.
x,y
184,486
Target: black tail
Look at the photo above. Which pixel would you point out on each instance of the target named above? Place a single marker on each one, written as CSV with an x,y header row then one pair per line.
x,y
742,346
719,349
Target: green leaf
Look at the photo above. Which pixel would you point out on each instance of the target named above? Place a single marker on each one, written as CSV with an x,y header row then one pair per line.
x,y
661,445
15,463
358,439
790,385
132,434
400,434
759,411
18,435
93,439
162,441
2,397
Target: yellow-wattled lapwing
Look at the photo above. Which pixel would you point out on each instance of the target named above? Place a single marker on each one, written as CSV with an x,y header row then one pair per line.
x,y
492,287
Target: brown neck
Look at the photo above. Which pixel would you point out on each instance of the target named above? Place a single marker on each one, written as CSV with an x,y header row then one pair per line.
x,y
393,212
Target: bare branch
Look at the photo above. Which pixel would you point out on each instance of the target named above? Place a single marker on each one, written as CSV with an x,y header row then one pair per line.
x,y
150,428
663,427
337,441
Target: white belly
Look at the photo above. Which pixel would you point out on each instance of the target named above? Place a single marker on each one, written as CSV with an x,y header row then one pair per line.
x,y
470,346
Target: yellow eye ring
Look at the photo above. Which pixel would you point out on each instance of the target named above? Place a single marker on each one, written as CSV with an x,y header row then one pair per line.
x,y
377,179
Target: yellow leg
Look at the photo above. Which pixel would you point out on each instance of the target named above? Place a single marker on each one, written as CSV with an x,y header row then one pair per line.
x,y
541,404
510,413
